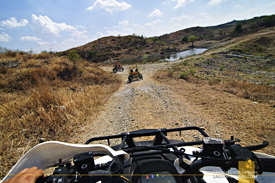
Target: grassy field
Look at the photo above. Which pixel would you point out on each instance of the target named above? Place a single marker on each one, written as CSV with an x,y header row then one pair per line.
x,y
45,96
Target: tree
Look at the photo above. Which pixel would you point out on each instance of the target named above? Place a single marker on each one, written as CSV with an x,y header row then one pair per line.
x,y
73,57
155,39
192,39
184,39
91,55
269,20
239,27
200,37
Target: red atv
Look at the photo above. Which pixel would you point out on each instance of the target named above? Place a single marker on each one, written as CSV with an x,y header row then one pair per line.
x,y
118,67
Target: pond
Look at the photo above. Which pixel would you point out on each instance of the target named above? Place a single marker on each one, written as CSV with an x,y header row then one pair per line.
x,y
184,54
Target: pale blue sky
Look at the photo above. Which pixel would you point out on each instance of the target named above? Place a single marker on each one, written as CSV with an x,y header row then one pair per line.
x,y
58,25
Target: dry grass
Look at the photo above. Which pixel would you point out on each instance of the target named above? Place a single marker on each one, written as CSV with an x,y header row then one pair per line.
x,y
49,101
234,84
231,103
256,92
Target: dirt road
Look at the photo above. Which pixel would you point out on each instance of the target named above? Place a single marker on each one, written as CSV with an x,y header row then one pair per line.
x,y
143,105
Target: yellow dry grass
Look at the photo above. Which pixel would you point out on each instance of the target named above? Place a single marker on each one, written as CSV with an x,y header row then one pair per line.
x,y
231,107
46,98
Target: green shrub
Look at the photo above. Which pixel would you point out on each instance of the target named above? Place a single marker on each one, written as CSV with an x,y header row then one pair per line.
x,y
185,62
184,39
73,57
156,39
145,57
91,54
239,27
269,20
184,75
214,56
192,71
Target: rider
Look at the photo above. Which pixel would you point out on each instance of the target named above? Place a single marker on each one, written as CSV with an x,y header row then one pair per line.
x,y
28,175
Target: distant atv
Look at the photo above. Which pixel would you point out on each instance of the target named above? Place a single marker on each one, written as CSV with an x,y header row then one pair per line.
x,y
134,73
118,67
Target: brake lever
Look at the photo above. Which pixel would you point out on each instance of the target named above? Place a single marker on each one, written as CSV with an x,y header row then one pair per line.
x,y
257,147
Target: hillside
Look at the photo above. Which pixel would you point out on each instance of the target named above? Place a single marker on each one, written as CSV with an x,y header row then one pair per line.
x,y
133,48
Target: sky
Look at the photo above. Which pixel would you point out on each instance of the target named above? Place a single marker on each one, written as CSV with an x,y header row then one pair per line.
x,y
58,25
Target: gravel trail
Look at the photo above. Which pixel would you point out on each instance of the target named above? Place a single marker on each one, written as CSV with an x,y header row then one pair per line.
x,y
143,104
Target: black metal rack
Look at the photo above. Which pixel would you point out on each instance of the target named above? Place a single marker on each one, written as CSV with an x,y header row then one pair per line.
x,y
160,140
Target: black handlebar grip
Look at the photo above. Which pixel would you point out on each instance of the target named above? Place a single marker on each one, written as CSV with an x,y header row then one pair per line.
x,y
267,164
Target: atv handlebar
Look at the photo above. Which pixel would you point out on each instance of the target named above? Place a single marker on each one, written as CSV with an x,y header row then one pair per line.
x,y
162,151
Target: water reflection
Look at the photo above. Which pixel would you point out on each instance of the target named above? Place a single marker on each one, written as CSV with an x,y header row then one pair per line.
x,y
184,54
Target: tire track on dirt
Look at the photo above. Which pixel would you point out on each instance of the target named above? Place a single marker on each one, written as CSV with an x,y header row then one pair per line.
x,y
142,105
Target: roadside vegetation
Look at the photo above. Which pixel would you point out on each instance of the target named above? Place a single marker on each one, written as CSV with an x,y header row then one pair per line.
x,y
233,81
236,92
46,97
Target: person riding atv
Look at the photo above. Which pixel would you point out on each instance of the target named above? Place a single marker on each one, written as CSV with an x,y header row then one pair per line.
x,y
134,73
118,67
